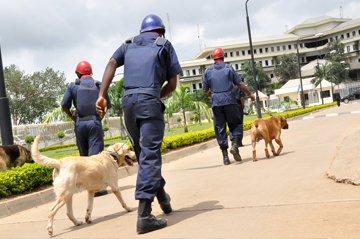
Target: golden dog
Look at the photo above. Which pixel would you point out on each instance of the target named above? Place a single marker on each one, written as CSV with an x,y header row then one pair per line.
x,y
14,156
268,130
92,173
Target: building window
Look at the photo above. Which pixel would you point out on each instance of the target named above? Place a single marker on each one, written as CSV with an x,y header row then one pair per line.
x,y
260,50
254,51
289,47
272,62
194,86
348,35
271,76
286,98
236,66
200,85
243,53
353,33
301,45
295,46
266,50
187,73
302,59
225,55
260,63
336,37
272,49
231,54
237,53
331,39
194,72
249,52
326,94
348,48
342,36
200,71
181,73
266,63
278,48
359,32
355,47
284,48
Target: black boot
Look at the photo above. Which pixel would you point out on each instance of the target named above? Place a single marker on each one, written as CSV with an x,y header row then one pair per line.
x,y
146,221
225,156
164,201
235,149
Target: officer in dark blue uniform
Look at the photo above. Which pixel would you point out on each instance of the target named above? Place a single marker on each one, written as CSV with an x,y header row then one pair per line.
x,y
149,61
83,93
239,96
218,82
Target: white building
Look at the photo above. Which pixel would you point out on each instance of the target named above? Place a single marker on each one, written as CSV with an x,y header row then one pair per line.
x,y
266,49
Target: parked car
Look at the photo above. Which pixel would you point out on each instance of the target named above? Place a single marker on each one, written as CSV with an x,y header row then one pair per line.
x,y
355,95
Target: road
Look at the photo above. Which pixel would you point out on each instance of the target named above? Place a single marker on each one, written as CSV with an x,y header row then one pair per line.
x,y
288,196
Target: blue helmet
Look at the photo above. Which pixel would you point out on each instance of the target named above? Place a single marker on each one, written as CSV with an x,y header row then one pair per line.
x,y
152,22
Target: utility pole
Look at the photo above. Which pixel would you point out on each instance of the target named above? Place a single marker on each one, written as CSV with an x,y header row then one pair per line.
x,y
168,18
198,28
5,119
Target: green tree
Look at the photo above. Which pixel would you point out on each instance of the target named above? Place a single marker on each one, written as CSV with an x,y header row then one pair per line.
x,y
116,100
183,96
248,75
335,53
171,107
324,72
32,97
199,109
274,86
57,114
199,95
288,68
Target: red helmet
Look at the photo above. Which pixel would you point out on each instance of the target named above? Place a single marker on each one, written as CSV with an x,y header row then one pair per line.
x,y
218,53
83,68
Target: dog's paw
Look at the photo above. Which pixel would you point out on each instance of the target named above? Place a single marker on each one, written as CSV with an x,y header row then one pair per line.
x,y
88,220
128,209
50,231
78,223
254,160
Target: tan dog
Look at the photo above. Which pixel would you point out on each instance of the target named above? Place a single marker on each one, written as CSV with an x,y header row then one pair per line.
x,y
14,156
92,173
268,130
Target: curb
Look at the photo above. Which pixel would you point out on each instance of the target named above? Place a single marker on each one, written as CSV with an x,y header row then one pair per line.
x,y
10,207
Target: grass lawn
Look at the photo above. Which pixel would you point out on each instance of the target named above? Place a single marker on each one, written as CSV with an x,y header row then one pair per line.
x,y
61,153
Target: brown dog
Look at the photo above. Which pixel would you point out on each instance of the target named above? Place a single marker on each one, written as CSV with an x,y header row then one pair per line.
x,y
92,173
14,156
268,130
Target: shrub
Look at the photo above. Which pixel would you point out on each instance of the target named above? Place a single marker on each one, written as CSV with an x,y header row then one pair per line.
x,y
166,121
178,119
60,134
29,139
105,127
192,117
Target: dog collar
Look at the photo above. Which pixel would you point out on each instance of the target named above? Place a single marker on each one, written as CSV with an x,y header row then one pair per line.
x,y
113,154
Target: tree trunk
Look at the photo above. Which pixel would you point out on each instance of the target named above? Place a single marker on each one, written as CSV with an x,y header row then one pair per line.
x,y
185,126
200,120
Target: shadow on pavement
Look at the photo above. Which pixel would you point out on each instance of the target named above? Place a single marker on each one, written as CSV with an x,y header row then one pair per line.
x,y
188,212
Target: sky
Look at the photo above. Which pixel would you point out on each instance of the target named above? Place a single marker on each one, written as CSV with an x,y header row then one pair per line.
x,y
59,34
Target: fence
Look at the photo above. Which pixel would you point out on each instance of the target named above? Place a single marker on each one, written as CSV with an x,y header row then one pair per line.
x,y
347,88
50,130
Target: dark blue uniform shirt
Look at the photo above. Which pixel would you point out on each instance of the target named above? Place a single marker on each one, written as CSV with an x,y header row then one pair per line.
x,y
70,95
223,98
171,67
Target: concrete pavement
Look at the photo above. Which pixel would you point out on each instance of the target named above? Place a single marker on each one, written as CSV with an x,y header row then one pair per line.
x,y
281,197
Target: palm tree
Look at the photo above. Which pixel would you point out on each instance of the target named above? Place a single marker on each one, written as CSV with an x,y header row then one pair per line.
x,y
183,95
172,106
57,114
200,108
325,72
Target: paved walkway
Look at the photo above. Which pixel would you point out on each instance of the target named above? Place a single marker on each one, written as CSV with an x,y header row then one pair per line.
x,y
288,196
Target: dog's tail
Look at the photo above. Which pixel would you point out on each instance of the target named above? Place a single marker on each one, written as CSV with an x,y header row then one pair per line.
x,y
41,159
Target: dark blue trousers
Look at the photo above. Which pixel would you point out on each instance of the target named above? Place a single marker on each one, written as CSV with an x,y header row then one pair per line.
x,y
227,114
89,137
241,111
144,121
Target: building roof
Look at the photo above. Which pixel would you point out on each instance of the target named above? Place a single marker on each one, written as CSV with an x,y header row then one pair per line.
x,y
348,23
262,96
315,20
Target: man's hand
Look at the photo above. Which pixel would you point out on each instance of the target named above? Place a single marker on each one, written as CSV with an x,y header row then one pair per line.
x,y
252,97
101,107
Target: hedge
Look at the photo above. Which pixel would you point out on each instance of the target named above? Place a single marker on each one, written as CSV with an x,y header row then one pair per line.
x,y
30,176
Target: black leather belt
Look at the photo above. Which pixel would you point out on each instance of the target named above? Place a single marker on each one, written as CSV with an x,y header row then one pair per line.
x,y
89,117
138,94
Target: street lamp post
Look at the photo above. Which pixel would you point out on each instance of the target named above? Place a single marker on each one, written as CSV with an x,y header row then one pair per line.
x,y
253,64
5,119
298,55
321,93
